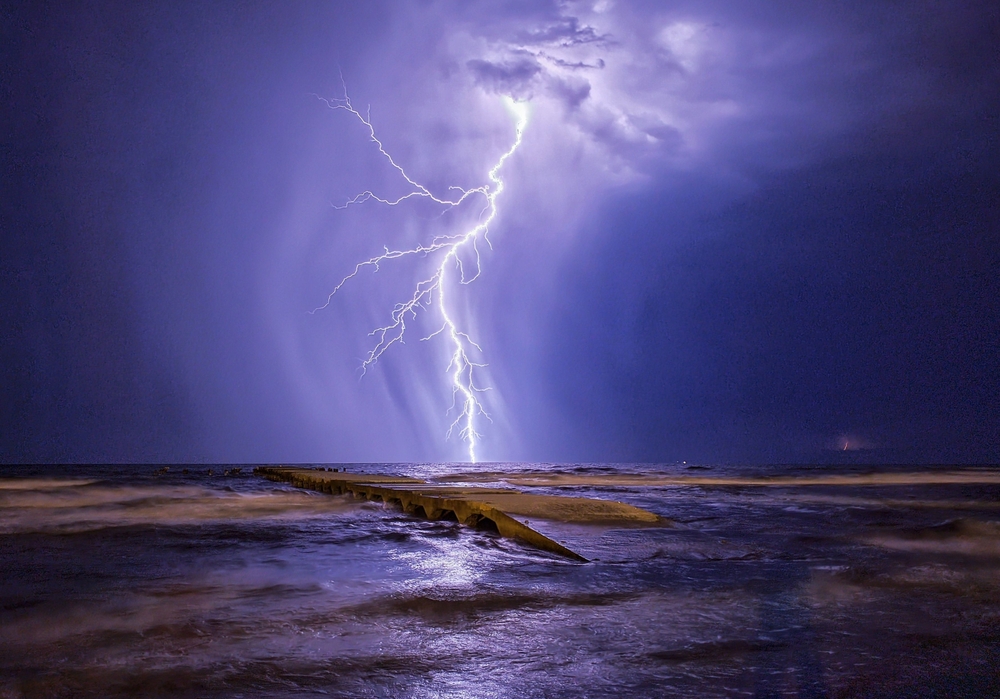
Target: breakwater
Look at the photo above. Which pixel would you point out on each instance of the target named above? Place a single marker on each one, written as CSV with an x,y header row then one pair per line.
x,y
493,509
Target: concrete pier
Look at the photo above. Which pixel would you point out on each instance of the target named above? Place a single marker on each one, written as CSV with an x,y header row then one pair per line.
x,y
484,508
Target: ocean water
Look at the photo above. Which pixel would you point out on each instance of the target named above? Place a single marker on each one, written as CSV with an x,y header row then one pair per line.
x,y
128,581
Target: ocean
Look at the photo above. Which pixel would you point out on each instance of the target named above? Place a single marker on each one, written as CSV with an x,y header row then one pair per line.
x,y
208,581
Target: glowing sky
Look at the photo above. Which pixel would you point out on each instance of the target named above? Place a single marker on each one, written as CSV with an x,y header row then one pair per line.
x,y
733,231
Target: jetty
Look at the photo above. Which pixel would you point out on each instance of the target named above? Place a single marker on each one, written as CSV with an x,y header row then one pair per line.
x,y
492,509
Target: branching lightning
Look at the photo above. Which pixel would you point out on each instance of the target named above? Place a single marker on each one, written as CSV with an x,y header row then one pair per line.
x,y
431,292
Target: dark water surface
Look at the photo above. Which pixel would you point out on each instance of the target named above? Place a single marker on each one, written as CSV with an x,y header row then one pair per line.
x,y
118,581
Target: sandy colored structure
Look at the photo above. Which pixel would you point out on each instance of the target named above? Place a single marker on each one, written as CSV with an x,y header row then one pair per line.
x,y
535,479
485,508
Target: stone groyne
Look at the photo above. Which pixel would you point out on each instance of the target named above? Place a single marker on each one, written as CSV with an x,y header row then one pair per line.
x,y
484,508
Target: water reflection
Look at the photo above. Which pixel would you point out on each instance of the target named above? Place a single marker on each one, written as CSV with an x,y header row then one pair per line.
x,y
129,583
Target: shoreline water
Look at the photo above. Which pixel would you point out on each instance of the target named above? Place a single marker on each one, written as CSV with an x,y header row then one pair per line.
x,y
121,582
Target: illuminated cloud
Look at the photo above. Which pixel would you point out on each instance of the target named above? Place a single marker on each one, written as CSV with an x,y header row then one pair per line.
x,y
622,95
734,225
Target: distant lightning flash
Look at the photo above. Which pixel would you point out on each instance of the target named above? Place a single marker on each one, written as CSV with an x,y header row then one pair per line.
x,y
461,368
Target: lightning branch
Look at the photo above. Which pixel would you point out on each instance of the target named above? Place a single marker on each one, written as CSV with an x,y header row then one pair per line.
x,y
434,292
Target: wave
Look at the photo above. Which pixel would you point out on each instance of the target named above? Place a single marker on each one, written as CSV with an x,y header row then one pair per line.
x,y
964,536
69,506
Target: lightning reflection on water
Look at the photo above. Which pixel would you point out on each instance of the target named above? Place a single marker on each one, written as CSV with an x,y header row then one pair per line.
x,y
120,582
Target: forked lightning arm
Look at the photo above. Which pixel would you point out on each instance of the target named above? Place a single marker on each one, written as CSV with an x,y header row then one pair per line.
x,y
461,368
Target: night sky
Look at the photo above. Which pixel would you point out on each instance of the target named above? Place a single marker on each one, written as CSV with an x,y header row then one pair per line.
x,y
734,232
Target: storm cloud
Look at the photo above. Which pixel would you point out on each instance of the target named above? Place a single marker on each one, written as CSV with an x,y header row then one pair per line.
x,y
741,232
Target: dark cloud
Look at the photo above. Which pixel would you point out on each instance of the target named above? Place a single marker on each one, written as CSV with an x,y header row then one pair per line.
x,y
513,77
750,230
571,92
567,31
572,65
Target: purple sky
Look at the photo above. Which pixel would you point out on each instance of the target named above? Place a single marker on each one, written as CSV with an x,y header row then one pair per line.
x,y
733,232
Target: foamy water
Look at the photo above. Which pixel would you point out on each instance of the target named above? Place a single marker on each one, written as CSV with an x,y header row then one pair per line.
x,y
122,582
52,505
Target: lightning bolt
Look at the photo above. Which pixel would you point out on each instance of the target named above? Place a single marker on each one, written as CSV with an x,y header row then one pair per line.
x,y
431,291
